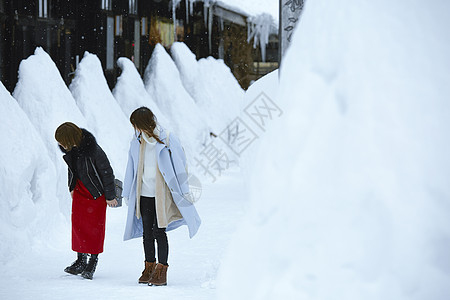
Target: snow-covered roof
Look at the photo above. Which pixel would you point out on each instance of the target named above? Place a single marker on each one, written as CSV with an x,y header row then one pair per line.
x,y
248,8
252,7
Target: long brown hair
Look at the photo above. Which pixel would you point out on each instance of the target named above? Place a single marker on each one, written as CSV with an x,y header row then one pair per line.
x,y
144,120
68,135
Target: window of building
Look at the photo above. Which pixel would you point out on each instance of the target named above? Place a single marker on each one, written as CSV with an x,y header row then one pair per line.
x,y
106,4
109,43
144,26
43,9
137,43
133,7
118,28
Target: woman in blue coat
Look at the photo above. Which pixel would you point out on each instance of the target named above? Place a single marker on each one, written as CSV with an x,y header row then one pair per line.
x,y
158,195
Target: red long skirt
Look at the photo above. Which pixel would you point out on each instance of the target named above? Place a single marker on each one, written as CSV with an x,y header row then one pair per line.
x,y
88,221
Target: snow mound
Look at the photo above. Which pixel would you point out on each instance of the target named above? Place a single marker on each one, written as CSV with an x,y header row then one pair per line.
x,y
217,77
268,84
130,91
163,83
211,84
28,205
350,198
106,120
187,65
46,100
266,87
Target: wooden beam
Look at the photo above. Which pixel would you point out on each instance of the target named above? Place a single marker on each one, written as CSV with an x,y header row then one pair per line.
x,y
229,15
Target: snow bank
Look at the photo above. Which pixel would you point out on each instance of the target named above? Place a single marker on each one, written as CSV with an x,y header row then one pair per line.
x,y
350,198
211,84
268,84
106,120
187,65
218,77
46,100
163,83
28,203
130,91
266,87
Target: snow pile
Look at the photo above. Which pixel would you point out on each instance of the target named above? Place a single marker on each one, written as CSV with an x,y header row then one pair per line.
x,y
350,198
211,84
228,94
28,203
130,91
268,84
106,120
188,67
163,83
46,100
266,87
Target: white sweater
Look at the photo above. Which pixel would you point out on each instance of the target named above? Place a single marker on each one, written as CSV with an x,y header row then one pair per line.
x,y
149,175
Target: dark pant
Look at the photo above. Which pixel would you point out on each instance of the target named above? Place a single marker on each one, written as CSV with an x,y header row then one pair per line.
x,y
152,232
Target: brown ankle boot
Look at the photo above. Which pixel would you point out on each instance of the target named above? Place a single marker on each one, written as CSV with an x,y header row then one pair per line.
x,y
159,276
148,271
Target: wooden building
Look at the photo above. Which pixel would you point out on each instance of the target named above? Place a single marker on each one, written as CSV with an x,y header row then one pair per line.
x,y
116,28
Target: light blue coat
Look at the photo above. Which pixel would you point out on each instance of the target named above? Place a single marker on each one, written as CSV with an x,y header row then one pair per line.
x,y
174,173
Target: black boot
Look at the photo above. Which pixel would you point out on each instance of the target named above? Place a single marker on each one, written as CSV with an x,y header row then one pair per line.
x,y
88,272
77,266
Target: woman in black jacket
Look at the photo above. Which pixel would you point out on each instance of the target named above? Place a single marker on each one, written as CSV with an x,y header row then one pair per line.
x,y
91,185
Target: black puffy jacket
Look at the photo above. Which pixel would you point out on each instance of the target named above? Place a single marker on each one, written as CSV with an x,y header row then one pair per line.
x,y
89,163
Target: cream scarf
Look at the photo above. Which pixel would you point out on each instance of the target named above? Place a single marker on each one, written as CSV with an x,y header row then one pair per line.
x,y
166,209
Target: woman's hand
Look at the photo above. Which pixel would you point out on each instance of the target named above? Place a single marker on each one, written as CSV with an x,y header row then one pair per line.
x,y
112,203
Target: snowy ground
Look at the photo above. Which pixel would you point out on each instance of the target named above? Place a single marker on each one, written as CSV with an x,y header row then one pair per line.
x,y
348,194
193,263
